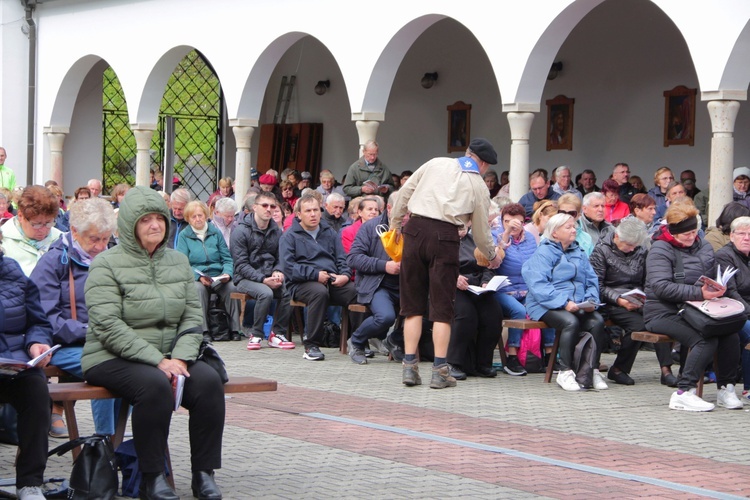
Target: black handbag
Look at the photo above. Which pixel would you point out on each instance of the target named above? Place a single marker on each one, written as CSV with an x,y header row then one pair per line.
x,y
94,474
208,355
707,325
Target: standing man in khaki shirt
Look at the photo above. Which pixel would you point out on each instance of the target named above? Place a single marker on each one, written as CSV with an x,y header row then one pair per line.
x,y
442,196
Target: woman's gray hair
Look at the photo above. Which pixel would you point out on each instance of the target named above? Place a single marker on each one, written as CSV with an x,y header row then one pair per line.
x,y
555,222
95,214
225,206
739,222
632,231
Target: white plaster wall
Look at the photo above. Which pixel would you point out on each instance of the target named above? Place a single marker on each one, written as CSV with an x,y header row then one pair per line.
x,y
82,154
13,88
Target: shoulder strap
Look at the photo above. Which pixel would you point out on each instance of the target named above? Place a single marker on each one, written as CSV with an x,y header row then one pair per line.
x,y
73,312
679,269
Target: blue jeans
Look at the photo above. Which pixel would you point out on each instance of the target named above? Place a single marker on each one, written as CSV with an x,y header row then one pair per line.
x,y
104,410
744,339
385,303
513,308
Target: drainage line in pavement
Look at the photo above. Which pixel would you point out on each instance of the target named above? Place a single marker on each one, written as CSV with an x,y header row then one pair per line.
x,y
529,456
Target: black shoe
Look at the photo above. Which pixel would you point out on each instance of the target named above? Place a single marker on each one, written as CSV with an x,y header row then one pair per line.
x,y
156,487
207,338
397,353
620,378
486,372
204,486
514,367
236,336
669,380
457,373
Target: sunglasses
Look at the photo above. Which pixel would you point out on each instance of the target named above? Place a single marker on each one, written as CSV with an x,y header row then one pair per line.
x,y
572,213
267,205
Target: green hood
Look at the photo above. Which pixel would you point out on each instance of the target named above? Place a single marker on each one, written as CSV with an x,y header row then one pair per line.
x,y
138,202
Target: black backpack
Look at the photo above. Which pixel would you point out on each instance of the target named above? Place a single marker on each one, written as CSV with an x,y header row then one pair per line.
x,y
94,472
331,335
218,320
584,357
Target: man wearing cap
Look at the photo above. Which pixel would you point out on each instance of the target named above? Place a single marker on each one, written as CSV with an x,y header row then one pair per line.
x,y
443,195
687,179
268,185
306,179
741,185
368,175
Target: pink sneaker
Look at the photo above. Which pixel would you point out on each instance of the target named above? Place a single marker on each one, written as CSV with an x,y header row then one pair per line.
x,y
254,343
279,341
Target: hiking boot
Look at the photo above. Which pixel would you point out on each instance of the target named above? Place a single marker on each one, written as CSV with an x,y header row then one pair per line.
x,y
356,353
313,353
567,380
688,401
395,351
441,377
279,341
410,373
727,398
254,343
514,367
599,383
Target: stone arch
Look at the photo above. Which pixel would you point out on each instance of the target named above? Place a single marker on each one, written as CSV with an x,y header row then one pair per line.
x,y
147,109
65,101
736,74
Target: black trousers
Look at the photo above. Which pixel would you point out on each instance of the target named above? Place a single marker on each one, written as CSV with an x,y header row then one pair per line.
x,y
150,392
632,321
475,331
571,327
27,393
726,348
318,297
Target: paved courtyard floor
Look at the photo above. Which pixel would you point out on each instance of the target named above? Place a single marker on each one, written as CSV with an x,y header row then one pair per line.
x,y
339,430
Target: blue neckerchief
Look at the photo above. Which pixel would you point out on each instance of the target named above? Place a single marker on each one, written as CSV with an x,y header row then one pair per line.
x,y
468,164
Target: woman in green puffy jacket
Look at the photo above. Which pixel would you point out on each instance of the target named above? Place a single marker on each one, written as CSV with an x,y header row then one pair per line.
x,y
141,296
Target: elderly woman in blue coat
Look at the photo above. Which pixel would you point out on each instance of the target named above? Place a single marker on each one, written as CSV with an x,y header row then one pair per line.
x,y
24,333
560,278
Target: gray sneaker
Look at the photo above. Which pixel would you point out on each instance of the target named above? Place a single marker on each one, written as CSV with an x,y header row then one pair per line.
x,y
377,345
410,375
30,493
441,377
356,353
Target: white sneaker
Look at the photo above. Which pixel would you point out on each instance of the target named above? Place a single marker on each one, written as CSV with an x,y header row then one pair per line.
x,y
279,341
30,493
599,383
727,398
254,343
689,401
567,380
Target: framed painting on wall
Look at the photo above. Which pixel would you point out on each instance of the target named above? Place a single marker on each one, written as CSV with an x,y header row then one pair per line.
x,y
679,116
459,126
560,123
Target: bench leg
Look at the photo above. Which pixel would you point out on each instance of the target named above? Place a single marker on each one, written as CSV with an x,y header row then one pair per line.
x,y
501,347
552,358
343,347
70,416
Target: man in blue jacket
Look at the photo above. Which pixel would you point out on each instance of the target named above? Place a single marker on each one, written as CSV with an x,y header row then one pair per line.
x,y
314,263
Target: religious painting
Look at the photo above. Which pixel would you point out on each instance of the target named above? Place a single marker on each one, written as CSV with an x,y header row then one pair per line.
x,y
459,126
560,123
679,116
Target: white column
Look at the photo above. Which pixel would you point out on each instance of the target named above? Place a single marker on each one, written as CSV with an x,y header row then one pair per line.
x,y
520,128
723,115
143,132
56,140
243,136
368,131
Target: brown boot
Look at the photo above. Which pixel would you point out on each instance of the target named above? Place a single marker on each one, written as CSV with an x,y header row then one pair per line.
x,y
410,375
441,377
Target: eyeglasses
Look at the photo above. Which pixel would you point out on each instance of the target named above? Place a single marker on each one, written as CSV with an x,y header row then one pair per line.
x,y
39,225
572,213
267,205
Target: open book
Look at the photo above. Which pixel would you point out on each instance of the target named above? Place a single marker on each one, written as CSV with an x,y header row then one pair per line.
x,y
214,279
372,184
722,278
178,385
636,296
10,366
588,305
495,284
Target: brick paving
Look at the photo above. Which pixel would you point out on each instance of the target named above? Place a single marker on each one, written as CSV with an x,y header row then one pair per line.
x,y
276,447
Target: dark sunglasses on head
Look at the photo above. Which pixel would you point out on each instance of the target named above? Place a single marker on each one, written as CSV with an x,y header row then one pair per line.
x,y
266,205
572,213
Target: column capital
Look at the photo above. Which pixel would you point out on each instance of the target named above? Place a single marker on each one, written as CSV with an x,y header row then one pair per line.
x,y
723,115
368,115
243,136
56,130
367,130
520,125
244,122
143,126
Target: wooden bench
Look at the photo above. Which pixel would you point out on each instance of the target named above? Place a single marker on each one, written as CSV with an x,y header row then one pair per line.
x,y
69,393
346,325
526,324
243,298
